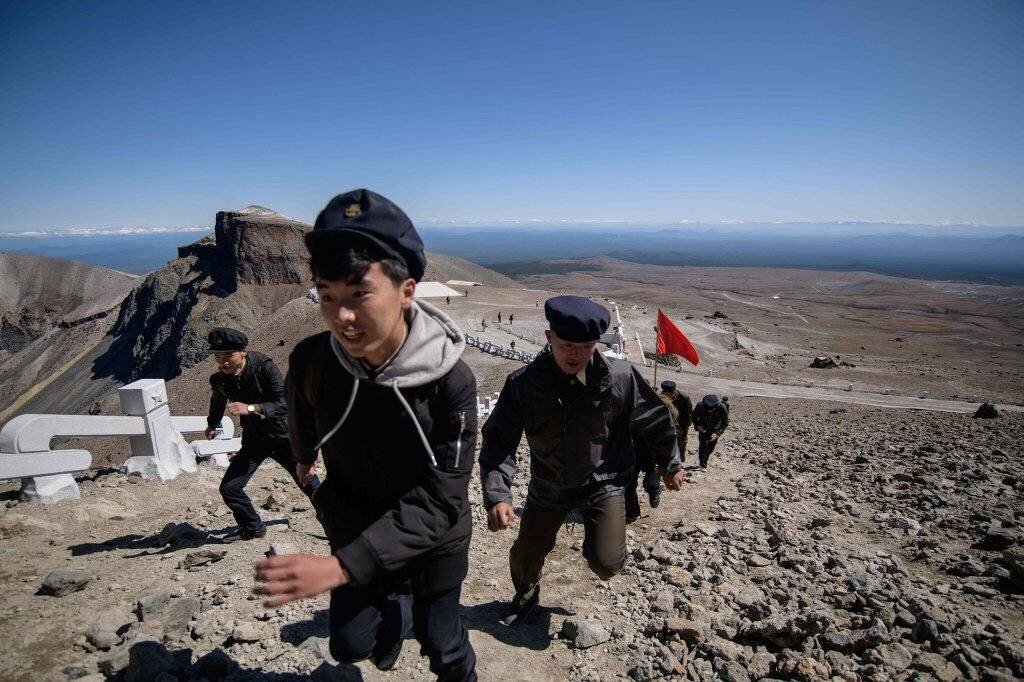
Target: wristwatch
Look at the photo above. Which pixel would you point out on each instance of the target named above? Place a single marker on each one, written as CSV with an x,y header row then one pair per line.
x,y
251,408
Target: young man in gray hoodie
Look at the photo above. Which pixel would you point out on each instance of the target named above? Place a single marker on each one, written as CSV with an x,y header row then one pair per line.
x,y
385,397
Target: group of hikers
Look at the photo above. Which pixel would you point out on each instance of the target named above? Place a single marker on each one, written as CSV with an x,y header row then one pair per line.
x,y
384,398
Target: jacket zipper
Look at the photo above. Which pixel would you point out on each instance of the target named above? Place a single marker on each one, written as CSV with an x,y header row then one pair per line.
x,y
458,440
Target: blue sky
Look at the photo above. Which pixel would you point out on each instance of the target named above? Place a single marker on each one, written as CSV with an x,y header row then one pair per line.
x,y
145,113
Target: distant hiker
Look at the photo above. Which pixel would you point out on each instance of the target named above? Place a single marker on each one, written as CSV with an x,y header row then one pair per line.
x,y
684,407
582,413
512,343
384,396
536,304
483,325
448,300
249,386
710,419
510,317
499,318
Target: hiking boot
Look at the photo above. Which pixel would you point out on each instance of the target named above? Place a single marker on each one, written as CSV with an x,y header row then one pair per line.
x,y
631,518
522,606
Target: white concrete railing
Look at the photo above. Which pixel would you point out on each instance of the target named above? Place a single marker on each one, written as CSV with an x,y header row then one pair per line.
x,y
158,448
499,350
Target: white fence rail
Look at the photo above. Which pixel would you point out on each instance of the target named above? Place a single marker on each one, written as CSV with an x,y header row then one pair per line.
x,y
158,448
499,350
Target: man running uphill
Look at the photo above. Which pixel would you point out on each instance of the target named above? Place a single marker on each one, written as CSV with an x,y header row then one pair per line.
x,y
386,398
581,412
248,385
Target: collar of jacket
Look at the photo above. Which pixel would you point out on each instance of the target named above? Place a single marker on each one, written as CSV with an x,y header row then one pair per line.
x,y
432,347
598,374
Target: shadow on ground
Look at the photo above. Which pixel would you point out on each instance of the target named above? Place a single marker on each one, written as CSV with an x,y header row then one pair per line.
x,y
530,634
172,538
148,660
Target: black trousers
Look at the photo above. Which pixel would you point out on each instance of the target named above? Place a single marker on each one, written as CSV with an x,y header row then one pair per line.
x,y
705,447
359,615
604,537
242,467
652,484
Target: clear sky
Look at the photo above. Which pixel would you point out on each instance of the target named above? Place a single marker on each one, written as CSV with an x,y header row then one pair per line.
x,y
150,113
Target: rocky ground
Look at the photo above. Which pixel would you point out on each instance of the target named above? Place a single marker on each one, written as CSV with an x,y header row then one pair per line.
x,y
824,542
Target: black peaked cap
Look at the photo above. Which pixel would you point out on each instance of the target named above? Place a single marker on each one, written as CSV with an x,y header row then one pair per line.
x,y
576,319
362,215
223,339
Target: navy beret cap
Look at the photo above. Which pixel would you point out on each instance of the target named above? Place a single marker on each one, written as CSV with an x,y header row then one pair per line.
x,y
710,400
668,385
576,319
362,215
223,339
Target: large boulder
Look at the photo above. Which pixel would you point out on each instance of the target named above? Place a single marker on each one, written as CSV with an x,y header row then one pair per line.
x,y
986,411
64,581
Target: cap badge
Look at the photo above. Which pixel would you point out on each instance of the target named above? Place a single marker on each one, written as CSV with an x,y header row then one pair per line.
x,y
353,211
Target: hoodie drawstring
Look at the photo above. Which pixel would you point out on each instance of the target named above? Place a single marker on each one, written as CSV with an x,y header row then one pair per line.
x,y
344,416
401,399
416,422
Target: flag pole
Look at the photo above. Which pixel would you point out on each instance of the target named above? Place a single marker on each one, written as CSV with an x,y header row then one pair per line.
x,y
657,337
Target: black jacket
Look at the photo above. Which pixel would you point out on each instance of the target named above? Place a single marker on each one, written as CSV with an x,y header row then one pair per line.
x,y
711,421
685,409
260,383
579,436
391,508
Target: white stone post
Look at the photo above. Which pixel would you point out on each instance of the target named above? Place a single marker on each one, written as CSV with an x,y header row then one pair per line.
x,y
161,453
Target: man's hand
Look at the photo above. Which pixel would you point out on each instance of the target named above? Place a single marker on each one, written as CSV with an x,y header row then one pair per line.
x,y
713,437
673,481
500,516
210,432
238,409
302,472
297,576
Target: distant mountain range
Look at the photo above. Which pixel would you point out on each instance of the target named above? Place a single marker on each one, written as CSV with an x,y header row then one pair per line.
x,y
994,259
992,255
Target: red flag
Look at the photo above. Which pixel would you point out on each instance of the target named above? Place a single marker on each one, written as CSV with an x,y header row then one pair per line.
x,y
672,340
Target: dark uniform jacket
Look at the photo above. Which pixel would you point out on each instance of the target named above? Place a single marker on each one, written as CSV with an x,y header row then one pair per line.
x,y
398,446
711,422
580,437
685,409
261,384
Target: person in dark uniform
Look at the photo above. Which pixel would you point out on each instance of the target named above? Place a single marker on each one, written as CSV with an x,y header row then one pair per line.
x,y
249,386
581,412
384,396
645,466
710,419
684,408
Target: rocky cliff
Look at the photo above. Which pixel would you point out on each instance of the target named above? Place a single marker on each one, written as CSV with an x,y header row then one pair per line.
x,y
254,263
39,294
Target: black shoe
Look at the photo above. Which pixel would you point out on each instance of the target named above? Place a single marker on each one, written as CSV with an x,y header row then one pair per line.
x,y
631,519
522,606
654,496
390,636
242,534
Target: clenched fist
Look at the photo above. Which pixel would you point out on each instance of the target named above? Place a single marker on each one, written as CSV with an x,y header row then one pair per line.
x,y
500,516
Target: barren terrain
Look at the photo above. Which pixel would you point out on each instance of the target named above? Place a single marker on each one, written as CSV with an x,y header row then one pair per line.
x,y
828,539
